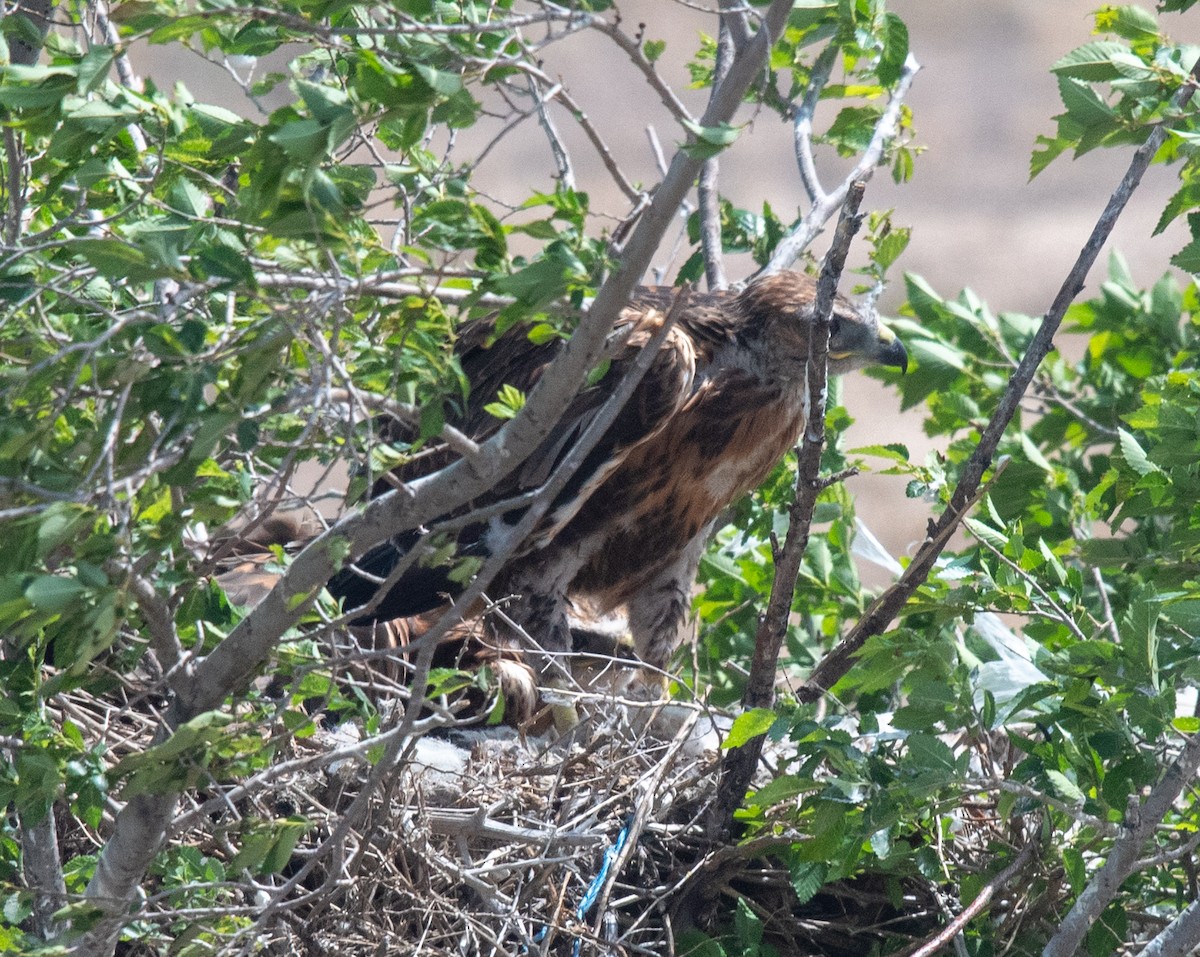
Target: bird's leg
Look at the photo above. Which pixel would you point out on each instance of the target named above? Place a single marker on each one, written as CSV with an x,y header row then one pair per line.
x,y
537,623
660,616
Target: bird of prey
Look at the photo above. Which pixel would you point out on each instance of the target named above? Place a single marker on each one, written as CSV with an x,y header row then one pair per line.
x,y
721,404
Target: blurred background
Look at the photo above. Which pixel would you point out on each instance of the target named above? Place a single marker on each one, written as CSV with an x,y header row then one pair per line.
x,y
983,95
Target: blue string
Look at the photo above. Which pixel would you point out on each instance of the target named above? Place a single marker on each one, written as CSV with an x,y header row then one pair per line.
x,y
593,891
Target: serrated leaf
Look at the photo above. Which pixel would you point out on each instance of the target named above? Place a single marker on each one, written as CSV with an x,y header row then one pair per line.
x,y
1060,570
928,352
52,593
709,140
1188,258
986,533
895,49
1084,105
1034,454
807,878
930,752
1134,455
1128,21
1065,787
1092,61
895,451
749,724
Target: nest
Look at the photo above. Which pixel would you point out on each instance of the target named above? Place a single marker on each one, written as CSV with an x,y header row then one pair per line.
x,y
482,841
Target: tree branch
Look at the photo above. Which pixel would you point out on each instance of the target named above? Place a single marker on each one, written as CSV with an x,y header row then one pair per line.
x,y
1179,938
707,192
740,763
792,245
967,491
974,909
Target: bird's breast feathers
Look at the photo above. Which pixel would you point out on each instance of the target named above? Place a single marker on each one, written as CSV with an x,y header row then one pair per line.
x,y
723,442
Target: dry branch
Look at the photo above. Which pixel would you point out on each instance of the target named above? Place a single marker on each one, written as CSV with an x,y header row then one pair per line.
x,y
740,763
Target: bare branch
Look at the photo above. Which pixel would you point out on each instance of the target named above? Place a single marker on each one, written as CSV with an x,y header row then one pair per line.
x,y
802,122
792,245
410,414
562,159
43,869
706,188
740,763
710,225
633,49
975,908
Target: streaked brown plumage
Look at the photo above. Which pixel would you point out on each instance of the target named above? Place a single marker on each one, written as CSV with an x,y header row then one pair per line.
x,y
721,404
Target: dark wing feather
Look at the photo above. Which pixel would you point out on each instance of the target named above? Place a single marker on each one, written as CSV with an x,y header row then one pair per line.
x,y
512,359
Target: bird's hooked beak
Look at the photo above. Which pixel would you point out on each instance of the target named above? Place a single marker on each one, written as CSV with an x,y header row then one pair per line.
x,y
890,351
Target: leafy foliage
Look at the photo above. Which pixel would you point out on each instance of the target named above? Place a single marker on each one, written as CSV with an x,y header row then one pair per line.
x,y
195,303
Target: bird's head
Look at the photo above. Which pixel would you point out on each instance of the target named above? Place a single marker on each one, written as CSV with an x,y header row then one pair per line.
x,y
778,311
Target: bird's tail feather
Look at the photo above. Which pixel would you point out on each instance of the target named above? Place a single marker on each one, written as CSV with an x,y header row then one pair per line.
x,y
420,589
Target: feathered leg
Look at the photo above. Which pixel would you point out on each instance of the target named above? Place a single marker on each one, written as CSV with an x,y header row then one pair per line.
x,y
535,600
660,614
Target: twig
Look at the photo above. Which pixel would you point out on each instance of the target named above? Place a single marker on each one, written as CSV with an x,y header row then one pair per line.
x,y
974,909
740,763
802,121
707,190
409,414
633,49
792,245
562,159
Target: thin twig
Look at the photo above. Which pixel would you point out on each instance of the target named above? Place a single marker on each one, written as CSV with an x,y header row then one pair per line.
x,y
975,908
707,190
792,245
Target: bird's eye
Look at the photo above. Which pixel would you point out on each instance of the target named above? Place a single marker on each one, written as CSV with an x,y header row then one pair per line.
x,y
835,326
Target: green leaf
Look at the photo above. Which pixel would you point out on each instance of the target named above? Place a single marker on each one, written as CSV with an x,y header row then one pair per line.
x,y
807,878
53,593
1128,21
928,352
1084,105
441,82
709,140
931,753
1092,61
1188,258
895,49
1065,787
748,927
749,724
119,260
1134,455
653,49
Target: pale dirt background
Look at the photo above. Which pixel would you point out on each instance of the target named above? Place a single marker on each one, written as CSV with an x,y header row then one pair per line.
x,y
984,93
